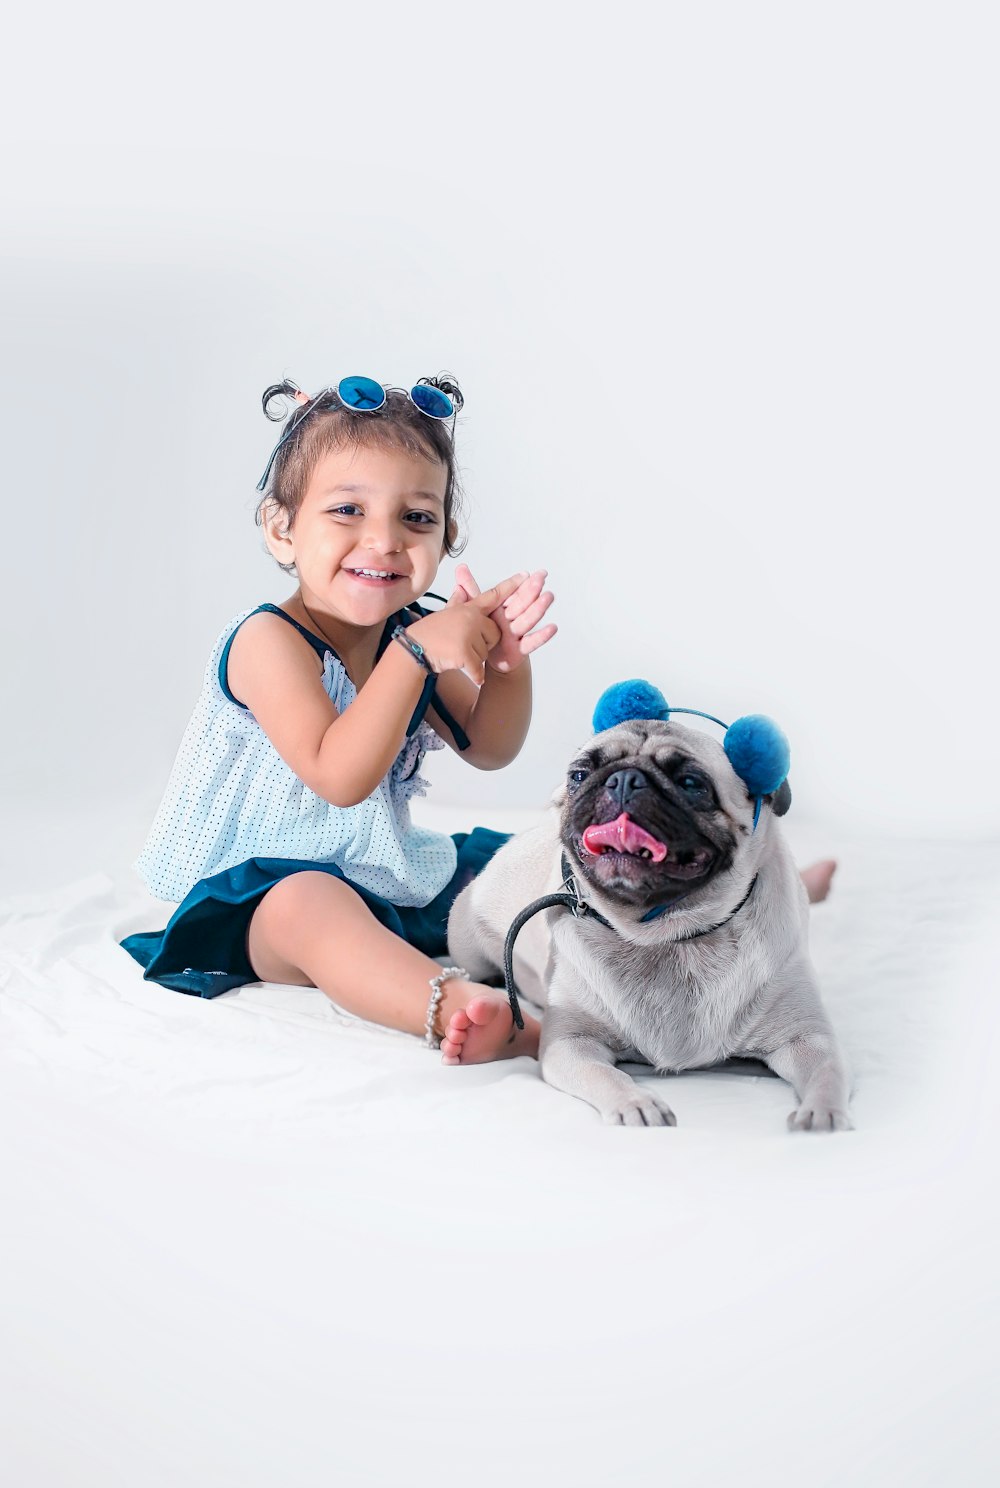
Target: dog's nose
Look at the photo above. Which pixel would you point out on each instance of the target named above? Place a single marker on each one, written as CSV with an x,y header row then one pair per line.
x,y
624,784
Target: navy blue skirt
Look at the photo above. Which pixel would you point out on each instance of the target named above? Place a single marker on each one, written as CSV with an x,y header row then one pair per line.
x,y
203,950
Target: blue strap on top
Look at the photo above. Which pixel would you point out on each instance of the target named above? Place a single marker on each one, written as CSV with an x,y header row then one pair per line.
x,y
322,647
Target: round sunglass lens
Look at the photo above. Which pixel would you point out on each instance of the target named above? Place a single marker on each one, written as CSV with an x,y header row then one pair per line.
x,y
432,401
361,393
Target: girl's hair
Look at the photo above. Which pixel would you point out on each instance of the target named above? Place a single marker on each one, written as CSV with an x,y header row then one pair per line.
x,y
326,424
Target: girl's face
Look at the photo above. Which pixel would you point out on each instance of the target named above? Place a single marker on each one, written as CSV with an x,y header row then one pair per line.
x,y
369,535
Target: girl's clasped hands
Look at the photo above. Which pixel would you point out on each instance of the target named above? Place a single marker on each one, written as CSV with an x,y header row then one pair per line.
x,y
478,629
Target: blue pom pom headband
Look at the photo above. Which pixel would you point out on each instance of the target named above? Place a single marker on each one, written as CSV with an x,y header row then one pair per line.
x,y
755,747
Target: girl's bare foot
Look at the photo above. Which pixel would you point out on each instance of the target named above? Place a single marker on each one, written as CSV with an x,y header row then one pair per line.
x,y
484,1030
817,879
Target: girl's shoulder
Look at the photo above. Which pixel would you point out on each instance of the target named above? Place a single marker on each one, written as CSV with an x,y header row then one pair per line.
x,y
270,619
266,639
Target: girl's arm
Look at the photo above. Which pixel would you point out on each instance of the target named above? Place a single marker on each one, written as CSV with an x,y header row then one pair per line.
x,y
496,715
340,756
343,756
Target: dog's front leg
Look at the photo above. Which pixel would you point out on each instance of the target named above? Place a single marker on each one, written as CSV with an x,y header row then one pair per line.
x,y
812,1064
576,1057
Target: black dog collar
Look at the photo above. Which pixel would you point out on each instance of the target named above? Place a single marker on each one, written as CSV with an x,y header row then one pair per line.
x,y
574,901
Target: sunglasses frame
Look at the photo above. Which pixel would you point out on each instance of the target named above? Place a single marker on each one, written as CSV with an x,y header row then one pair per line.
x,y
314,402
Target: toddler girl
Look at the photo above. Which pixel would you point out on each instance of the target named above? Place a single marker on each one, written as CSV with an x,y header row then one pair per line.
x,y
285,830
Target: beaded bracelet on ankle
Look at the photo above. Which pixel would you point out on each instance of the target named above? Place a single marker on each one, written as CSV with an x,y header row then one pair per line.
x,y
432,1038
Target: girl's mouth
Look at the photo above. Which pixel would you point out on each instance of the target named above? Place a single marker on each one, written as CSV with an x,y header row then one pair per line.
x,y
374,576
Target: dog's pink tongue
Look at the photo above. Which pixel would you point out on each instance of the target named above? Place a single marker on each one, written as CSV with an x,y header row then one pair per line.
x,y
623,835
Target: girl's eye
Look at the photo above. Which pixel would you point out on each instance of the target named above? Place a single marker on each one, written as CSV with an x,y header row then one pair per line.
x,y
421,519
347,510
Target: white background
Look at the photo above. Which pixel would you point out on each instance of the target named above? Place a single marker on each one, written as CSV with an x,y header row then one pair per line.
x,y
719,283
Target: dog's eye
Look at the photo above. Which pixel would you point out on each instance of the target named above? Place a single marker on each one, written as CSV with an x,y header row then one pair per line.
x,y
693,785
577,777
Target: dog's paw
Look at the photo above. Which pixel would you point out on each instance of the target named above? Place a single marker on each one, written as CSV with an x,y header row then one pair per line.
x,y
640,1110
818,1117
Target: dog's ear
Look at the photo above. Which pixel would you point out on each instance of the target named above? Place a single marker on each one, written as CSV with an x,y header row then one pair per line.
x,y
782,799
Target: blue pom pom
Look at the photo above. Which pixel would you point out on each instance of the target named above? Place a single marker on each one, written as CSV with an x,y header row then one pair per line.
x,y
758,752
634,699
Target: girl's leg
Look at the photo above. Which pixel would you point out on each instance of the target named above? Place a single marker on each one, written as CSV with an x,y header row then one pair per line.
x,y
314,930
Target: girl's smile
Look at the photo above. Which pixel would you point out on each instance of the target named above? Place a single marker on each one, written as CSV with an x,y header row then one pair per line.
x,y
374,576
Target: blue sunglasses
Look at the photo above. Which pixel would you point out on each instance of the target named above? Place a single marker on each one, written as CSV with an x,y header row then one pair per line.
x,y
365,395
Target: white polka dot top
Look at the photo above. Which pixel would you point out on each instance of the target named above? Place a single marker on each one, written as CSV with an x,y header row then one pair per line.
x,y
231,797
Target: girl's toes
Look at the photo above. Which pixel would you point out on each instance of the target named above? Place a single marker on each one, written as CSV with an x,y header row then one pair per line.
x,y
459,1021
483,1010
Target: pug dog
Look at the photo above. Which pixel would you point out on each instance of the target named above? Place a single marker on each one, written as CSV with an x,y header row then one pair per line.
x,y
697,952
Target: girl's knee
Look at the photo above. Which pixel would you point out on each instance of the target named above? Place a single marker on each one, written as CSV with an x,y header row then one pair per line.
x,y
308,894
288,916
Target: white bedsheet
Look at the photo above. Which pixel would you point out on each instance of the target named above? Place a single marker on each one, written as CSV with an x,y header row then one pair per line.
x,y
252,1241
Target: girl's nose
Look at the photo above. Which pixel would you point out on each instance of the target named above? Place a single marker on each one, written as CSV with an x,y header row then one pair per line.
x,y
381,537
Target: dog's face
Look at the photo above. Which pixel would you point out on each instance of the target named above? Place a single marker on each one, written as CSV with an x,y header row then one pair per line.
x,y
653,811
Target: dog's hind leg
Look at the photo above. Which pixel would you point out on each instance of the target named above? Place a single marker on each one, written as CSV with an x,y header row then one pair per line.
x,y
473,944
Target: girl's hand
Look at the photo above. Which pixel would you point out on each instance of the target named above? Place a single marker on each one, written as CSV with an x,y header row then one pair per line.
x,y
516,617
460,637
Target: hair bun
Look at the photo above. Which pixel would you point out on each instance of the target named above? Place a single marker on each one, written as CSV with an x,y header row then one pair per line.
x,y
445,383
285,389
